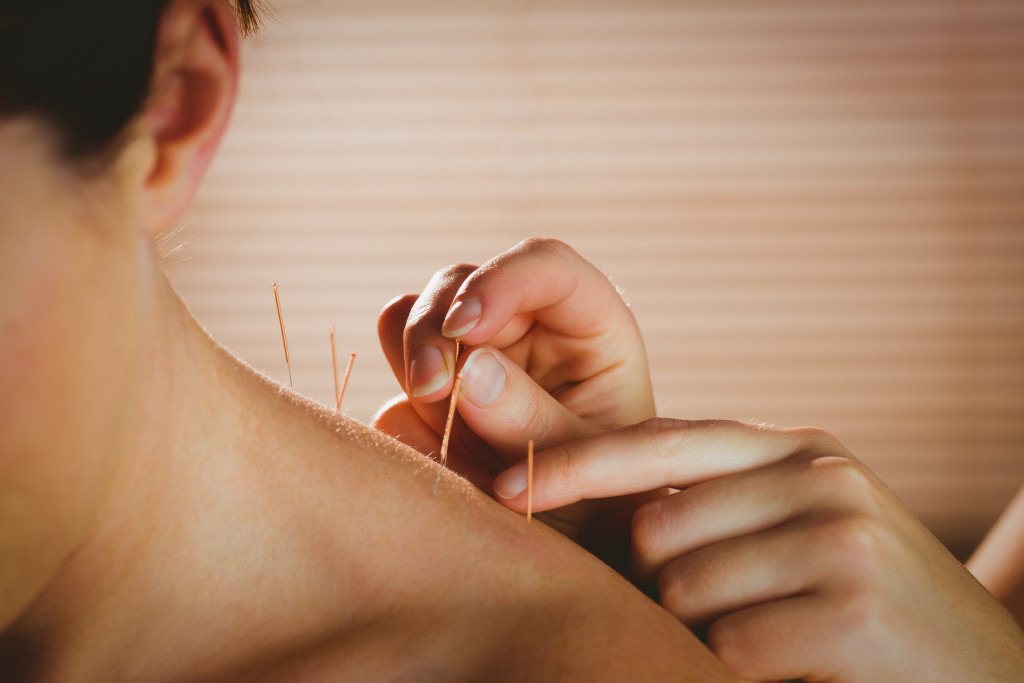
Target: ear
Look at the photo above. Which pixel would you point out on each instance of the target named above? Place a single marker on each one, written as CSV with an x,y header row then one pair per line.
x,y
195,77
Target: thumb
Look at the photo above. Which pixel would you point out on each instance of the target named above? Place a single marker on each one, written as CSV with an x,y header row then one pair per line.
x,y
506,408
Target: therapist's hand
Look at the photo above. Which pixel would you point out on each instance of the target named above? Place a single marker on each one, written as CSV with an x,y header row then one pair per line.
x,y
550,353
793,555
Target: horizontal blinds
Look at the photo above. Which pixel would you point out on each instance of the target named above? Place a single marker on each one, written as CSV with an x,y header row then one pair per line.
x,y
816,209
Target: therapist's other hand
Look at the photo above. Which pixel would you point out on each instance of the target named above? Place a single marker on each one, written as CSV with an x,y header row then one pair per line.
x,y
792,554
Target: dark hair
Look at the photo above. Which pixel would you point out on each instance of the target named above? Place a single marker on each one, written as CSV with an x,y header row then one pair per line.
x,y
83,66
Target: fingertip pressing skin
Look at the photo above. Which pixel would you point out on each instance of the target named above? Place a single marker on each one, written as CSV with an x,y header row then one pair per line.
x,y
605,465
563,474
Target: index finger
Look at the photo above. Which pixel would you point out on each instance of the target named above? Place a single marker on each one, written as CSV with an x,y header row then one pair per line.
x,y
653,454
545,277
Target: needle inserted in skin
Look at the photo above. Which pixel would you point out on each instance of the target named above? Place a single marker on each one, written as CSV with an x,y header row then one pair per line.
x,y
339,387
348,373
284,337
448,428
529,481
334,363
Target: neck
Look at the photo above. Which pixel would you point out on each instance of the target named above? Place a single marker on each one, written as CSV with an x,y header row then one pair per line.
x,y
178,541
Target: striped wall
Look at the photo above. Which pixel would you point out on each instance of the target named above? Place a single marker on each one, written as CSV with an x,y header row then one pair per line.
x,y
815,208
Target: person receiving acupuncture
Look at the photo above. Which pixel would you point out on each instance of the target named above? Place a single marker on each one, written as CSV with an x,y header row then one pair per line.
x,y
785,550
167,513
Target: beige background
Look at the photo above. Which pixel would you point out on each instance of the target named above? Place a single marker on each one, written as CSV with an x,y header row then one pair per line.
x,y
816,208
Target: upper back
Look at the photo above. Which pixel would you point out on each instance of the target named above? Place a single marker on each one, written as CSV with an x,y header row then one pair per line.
x,y
451,586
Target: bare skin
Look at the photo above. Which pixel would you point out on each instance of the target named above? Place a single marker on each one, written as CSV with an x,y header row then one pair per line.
x,y
168,514
272,540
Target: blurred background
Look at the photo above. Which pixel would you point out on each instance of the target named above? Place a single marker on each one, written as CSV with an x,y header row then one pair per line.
x,y
816,209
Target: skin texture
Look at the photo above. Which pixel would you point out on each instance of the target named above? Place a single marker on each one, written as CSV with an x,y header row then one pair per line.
x,y
790,555
168,514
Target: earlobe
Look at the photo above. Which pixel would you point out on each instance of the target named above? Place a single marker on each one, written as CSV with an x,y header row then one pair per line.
x,y
193,92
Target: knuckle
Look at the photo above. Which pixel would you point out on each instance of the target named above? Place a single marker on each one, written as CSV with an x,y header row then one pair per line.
x,y
457,272
532,243
860,611
729,643
686,582
569,468
539,423
664,441
720,424
656,425
421,314
661,440
847,479
729,427
674,591
664,434
545,244
671,433
649,527
815,438
659,433
433,302
856,541
761,426
565,258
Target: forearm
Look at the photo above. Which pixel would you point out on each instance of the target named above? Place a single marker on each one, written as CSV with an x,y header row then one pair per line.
x,y
999,561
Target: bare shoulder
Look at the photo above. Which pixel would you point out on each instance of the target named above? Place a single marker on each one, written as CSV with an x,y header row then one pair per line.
x,y
451,586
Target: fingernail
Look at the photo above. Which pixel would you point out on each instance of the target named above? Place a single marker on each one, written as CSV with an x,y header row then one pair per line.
x,y
483,378
462,318
511,482
428,372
